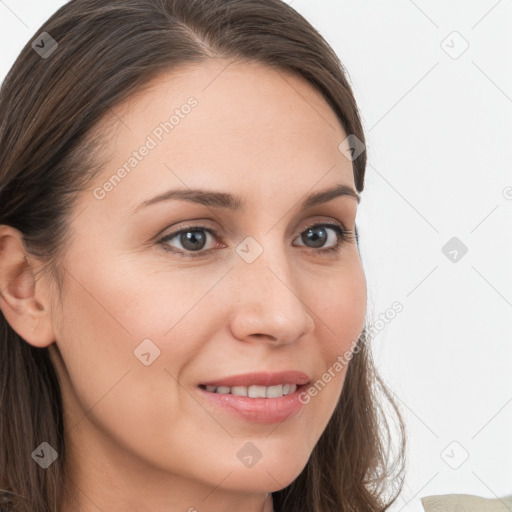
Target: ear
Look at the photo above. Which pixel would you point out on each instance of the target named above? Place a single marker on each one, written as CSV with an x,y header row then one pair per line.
x,y
23,299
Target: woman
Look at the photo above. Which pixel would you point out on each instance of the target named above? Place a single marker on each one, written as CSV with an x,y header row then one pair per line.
x,y
183,301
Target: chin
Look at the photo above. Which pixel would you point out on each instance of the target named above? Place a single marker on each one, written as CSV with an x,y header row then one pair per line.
x,y
265,478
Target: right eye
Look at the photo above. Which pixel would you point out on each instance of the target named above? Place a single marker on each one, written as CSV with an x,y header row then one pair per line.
x,y
191,238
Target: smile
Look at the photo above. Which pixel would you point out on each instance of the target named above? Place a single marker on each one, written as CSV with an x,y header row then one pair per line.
x,y
254,391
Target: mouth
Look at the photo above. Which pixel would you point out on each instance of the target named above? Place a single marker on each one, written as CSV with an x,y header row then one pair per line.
x,y
258,397
266,379
254,391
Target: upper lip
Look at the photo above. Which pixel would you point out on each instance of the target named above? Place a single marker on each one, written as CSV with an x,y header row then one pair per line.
x,y
261,379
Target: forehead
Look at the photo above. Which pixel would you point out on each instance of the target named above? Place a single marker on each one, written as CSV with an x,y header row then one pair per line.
x,y
222,125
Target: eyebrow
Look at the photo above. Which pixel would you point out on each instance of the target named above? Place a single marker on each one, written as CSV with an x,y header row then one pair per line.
x,y
224,200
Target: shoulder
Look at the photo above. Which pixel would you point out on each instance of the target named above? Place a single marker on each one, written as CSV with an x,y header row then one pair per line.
x,y
465,503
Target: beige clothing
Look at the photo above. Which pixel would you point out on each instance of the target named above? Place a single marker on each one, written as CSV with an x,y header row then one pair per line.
x,y
466,503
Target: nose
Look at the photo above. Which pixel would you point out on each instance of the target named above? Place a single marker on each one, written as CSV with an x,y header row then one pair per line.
x,y
268,302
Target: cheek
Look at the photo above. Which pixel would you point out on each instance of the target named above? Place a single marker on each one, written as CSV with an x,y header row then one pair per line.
x,y
113,319
110,309
341,317
112,388
341,303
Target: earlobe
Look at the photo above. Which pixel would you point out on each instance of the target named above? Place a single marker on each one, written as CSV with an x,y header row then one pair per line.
x,y
22,298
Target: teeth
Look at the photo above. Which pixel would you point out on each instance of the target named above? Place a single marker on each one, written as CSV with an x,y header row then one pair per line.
x,y
255,391
274,391
239,390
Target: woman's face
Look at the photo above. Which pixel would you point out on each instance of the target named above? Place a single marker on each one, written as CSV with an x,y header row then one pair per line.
x,y
143,323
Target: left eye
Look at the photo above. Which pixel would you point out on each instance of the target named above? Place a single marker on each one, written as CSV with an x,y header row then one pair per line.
x,y
338,235
194,239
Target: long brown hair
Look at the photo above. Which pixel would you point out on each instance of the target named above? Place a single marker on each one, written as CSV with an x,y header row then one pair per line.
x,y
49,152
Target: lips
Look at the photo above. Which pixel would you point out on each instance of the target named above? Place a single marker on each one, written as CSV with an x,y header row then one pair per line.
x,y
241,395
261,379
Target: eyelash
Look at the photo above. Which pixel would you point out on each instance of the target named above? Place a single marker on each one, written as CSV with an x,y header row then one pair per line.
x,y
343,236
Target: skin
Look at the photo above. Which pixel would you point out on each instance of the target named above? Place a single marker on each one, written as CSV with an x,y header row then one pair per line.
x,y
141,438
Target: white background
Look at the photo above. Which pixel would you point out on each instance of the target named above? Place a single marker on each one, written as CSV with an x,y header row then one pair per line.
x,y
439,150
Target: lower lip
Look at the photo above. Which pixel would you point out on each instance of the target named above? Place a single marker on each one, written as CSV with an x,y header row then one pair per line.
x,y
258,410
